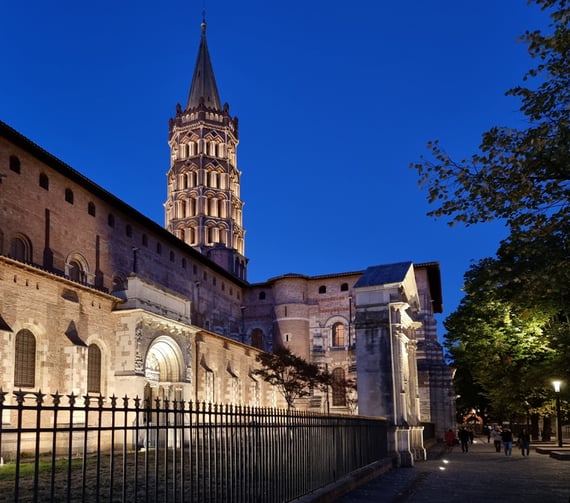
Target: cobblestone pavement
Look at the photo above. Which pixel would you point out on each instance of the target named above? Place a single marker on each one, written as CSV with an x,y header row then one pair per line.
x,y
481,475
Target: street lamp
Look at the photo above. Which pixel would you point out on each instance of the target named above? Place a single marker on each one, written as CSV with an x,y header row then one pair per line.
x,y
556,385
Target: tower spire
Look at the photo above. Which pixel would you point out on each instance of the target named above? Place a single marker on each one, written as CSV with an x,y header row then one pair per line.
x,y
203,85
203,207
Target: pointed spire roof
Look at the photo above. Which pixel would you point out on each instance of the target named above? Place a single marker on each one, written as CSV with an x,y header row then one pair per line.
x,y
203,82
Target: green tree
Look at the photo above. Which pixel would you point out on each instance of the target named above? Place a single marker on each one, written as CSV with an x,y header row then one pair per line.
x,y
293,376
520,176
512,329
504,354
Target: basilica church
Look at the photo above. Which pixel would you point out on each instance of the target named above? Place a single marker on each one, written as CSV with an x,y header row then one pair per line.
x,y
96,298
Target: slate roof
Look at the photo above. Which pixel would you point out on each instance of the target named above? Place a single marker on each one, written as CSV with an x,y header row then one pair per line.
x,y
383,274
203,82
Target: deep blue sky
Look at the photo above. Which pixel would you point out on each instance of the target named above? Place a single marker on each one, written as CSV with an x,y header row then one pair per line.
x,y
335,100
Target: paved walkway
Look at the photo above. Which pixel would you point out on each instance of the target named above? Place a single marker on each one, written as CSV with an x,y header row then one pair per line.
x,y
481,475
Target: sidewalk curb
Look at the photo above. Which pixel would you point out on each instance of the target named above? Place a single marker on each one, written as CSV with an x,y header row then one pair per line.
x,y
343,486
332,492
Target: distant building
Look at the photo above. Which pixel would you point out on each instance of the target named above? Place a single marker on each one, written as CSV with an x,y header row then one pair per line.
x,y
96,298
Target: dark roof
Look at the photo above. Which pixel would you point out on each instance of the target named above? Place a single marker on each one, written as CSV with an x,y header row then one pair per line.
x,y
203,82
383,274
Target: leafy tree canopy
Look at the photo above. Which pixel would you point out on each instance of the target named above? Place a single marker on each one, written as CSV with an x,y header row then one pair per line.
x,y
505,355
293,376
521,176
511,333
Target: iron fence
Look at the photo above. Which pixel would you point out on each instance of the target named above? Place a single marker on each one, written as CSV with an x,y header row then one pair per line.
x,y
122,449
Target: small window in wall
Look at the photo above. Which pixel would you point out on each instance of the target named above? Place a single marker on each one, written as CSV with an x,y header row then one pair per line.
x,y
44,181
111,220
183,263
129,231
158,248
69,196
344,287
25,360
91,208
322,289
93,369
171,256
261,295
144,240
14,164
338,334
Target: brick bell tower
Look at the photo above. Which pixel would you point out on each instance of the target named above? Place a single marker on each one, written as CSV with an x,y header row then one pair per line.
x,y
203,206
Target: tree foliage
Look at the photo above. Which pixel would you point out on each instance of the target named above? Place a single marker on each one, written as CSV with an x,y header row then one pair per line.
x,y
521,176
293,376
511,332
505,354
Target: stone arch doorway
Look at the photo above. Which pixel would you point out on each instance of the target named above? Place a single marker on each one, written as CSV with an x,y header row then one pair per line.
x,y
163,370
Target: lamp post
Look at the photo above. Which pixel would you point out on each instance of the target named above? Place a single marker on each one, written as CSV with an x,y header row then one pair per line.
x,y
556,385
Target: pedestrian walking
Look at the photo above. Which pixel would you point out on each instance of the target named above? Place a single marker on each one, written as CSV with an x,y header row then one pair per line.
x,y
507,438
524,442
497,440
464,439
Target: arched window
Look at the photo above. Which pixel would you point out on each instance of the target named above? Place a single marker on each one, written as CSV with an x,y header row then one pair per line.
x,y
25,360
21,249
338,388
322,289
338,334
111,220
261,295
76,272
69,196
93,369
344,287
77,268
